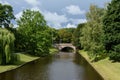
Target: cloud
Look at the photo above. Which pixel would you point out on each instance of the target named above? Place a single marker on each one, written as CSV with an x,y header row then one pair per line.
x,y
18,15
74,22
74,10
78,21
36,9
54,19
5,2
69,25
15,25
33,2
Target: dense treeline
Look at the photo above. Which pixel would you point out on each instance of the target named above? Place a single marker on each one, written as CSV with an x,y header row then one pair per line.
x,y
101,34
76,36
65,35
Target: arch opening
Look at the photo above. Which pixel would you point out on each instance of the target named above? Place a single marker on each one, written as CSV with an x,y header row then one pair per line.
x,y
67,49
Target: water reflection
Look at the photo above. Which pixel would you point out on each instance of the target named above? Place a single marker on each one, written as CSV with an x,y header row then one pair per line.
x,y
63,66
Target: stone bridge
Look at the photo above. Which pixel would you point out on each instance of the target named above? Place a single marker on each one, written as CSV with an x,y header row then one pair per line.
x,y
64,45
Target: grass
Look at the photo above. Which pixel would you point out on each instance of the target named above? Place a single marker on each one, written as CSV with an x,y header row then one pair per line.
x,y
53,51
106,68
24,58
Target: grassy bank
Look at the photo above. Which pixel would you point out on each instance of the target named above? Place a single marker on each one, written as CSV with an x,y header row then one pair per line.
x,y
24,58
106,68
53,51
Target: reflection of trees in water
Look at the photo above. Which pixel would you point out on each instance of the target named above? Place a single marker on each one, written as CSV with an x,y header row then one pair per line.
x,y
90,73
6,76
36,70
64,55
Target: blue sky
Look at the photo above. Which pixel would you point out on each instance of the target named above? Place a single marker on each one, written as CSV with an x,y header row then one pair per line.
x,y
57,13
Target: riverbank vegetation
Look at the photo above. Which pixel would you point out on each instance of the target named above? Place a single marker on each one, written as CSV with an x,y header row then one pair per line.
x,y
53,51
99,39
32,35
23,58
100,36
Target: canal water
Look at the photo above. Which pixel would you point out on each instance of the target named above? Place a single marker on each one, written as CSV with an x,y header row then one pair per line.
x,y
62,66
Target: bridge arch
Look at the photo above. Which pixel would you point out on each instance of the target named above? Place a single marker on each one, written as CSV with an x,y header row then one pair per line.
x,y
65,45
67,49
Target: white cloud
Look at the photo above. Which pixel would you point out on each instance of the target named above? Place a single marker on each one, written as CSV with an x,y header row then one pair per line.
x,y
15,25
74,10
54,19
69,25
78,21
18,15
36,9
33,2
75,22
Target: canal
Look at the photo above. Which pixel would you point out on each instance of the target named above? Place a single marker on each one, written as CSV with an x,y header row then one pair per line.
x,y
62,66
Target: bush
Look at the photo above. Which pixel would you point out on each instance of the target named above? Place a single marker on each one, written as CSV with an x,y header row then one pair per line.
x,y
115,54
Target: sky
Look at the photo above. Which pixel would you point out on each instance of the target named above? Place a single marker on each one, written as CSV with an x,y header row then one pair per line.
x,y
57,13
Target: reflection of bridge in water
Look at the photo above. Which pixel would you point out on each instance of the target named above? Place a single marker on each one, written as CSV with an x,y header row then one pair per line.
x,y
65,45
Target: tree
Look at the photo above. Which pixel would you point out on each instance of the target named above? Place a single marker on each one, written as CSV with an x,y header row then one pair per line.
x,y
54,35
76,35
65,35
6,46
33,33
6,15
93,32
111,29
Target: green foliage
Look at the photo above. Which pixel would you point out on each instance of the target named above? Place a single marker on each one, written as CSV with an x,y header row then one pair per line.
x,y
111,28
6,46
76,36
65,35
43,40
14,58
6,15
54,35
115,53
92,32
34,34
